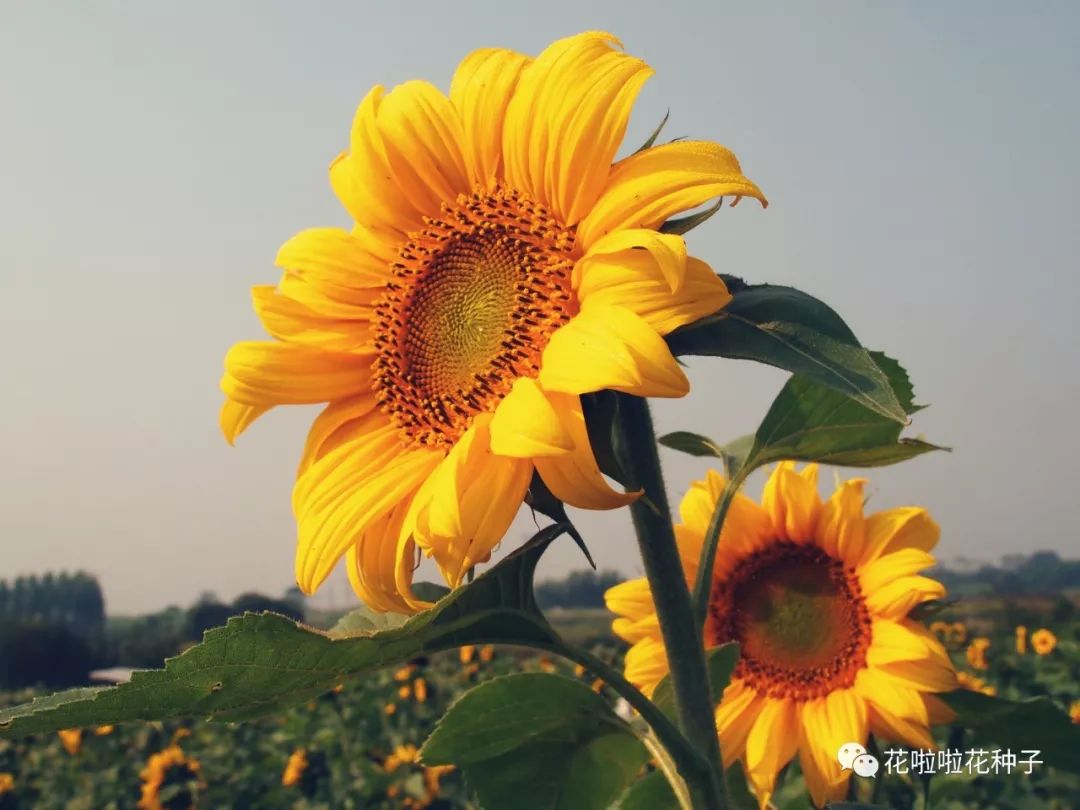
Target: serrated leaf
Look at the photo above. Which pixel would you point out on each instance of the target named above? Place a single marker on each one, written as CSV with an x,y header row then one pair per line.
x,y
1024,725
809,421
787,328
651,792
260,663
720,662
535,741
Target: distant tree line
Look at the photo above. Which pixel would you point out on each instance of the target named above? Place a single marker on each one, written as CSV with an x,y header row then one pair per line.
x,y
53,629
1043,573
578,589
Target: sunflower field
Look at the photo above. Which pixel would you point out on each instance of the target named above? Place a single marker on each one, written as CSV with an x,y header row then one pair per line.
x,y
357,746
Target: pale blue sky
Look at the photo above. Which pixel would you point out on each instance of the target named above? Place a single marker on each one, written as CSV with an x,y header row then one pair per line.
x,y
921,161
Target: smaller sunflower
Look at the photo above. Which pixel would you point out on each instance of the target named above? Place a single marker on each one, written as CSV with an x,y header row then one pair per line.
x,y
1043,641
402,755
974,684
1021,639
420,690
7,783
976,653
817,596
167,768
1074,711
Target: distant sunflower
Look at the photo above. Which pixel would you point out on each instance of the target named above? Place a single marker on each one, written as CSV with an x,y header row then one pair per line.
x,y
167,768
1043,641
817,597
500,266
7,783
294,768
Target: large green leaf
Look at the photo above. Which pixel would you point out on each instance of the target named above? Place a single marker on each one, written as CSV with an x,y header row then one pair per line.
x,y
534,741
787,328
651,792
260,663
1025,725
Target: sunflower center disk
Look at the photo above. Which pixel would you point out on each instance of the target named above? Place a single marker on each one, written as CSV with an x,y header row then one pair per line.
x,y
474,300
799,618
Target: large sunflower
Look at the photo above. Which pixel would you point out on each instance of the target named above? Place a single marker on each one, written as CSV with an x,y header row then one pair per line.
x,y
817,597
500,266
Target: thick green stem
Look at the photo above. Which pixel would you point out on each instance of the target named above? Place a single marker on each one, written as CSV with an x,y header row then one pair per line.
x,y
637,451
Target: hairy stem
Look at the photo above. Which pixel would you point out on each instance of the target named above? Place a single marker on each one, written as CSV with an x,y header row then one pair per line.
x,y
637,451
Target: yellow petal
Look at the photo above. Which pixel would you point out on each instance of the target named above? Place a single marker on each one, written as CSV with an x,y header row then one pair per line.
x,y
667,250
474,496
334,256
371,563
739,707
903,640
881,691
791,499
340,422
631,599
610,347
699,502
422,136
632,280
826,724
292,322
236,417
567,118
646,664
884,570
895,599
841,532
770,746
647,188
526,425
480,92
894,529
363,179
265,374
575,477
345,492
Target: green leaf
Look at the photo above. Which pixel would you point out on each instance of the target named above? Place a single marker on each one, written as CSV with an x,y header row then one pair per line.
x,y
535,741
721,663
787,328
684,225
733,454
1025,725
809,421
651,792
258,664
540,498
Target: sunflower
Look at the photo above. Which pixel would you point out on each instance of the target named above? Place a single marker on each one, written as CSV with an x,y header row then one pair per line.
x,y
500,265
1021,639
1074,711
973,683
976,653
1043,641
7,783
167,768
817,597
71,739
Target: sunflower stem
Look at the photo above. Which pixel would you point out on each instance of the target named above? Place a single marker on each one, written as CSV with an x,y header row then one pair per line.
x,y
703,583
637,450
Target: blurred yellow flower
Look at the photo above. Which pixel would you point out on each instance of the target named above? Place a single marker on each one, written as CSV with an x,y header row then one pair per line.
x,y
402,755
1074,711
940,628
466,653
957,633
487,652
500,266
294,768
404,673
169,767
71,739
976,653
1043,642
546,664
1021,639
817,595
389,709
404,692
974,684
104,731
7,783
432,779
420,690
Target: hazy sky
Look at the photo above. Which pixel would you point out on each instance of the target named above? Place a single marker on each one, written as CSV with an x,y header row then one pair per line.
x,y
921,161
